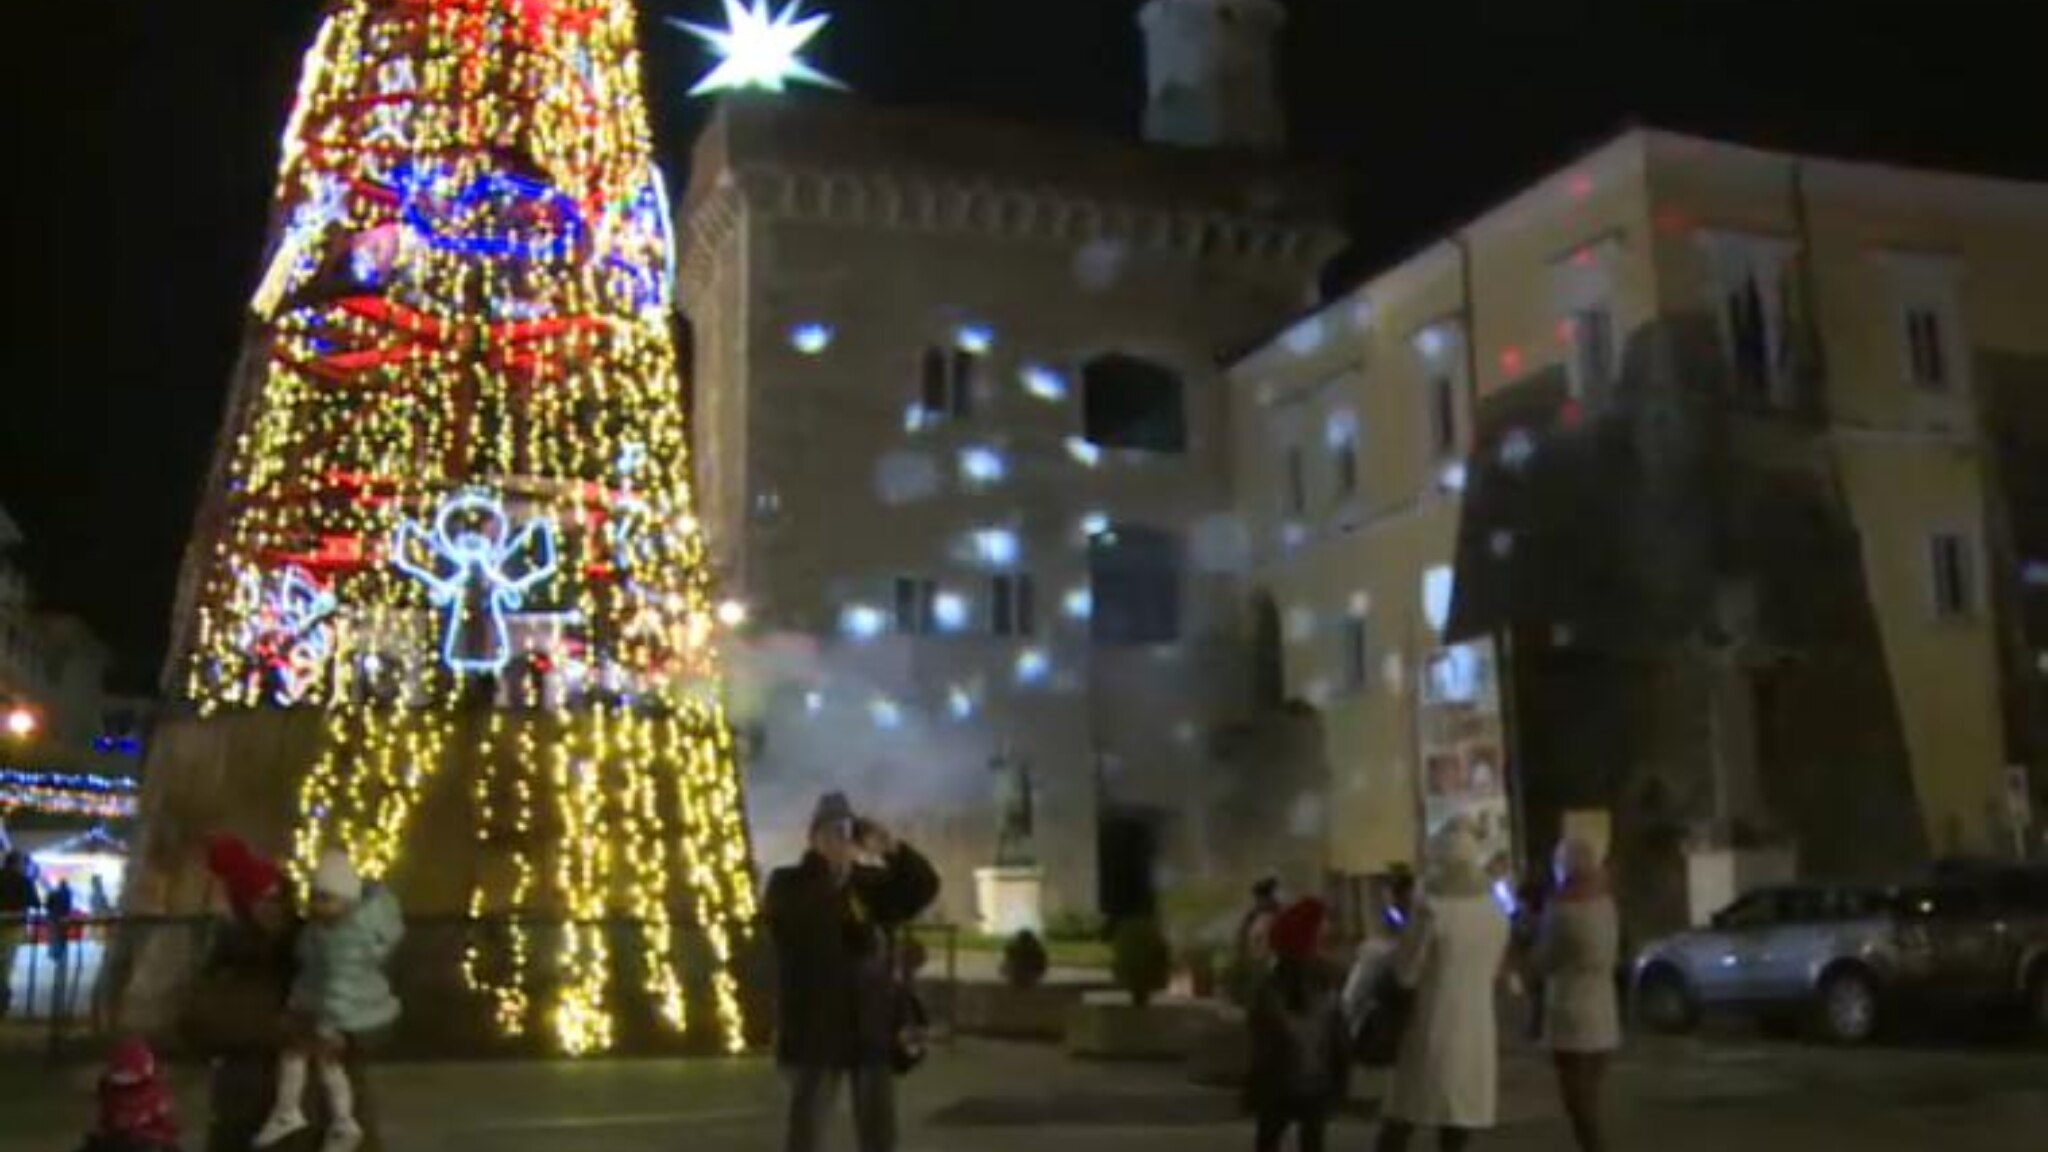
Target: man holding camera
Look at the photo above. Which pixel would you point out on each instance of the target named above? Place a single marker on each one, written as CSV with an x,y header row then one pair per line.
x,y
833,918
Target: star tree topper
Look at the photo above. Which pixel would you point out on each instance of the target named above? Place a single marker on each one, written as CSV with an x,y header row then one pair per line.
x,y
758,47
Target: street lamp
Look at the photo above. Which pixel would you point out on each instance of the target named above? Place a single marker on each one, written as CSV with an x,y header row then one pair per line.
x,y
21,722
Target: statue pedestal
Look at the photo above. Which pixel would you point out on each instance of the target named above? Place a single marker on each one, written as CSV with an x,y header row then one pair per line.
x,y
1010,899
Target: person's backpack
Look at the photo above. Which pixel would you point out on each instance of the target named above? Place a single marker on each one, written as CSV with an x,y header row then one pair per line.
x,y
1376,1038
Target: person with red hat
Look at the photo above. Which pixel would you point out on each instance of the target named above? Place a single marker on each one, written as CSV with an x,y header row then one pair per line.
x,y
236,1012
136,1110
1300,1053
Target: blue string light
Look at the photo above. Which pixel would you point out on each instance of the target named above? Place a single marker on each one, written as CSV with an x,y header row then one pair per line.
x,y
67,794
423,206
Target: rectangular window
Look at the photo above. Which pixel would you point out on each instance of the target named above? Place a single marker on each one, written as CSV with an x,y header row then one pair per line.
x,y
964,367
1749,340
932,386
946,383
1357,654
1951,575
1443,416
917,600
1296,495
1344,466
1926,350
1592,350
1012,605
1134,574
1133,404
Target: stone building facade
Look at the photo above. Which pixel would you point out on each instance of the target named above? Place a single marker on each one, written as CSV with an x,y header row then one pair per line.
x,y
52,669
963,454
1726,459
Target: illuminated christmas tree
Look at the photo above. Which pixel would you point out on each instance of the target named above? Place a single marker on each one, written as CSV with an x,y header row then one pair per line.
x,y
456,516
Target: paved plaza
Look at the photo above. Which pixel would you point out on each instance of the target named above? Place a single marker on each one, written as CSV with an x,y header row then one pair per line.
x,y
1671,1097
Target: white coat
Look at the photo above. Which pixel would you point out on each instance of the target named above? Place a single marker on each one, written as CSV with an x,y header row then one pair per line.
x,y
1448,1072
1577,952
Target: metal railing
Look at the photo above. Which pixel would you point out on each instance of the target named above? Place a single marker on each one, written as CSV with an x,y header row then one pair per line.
x,y
458,978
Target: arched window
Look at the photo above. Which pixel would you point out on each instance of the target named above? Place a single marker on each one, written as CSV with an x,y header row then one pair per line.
x,y
1132,403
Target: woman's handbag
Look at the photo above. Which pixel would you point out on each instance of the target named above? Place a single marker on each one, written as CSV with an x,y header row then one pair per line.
x,y
1376,1041
910,1024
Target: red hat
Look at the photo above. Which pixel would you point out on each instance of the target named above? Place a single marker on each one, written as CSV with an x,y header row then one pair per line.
x,y
246,876
1296,927
132,1063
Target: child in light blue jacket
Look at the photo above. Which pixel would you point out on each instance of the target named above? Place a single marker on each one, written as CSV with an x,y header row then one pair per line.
x,y
340,990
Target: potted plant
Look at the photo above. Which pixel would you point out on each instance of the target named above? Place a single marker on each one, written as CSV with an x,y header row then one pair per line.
x,y
1024,960
1140,960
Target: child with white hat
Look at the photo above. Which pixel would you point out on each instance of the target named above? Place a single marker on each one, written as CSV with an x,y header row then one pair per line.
x,y
340,990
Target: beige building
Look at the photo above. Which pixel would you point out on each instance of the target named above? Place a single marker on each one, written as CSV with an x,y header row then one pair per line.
x,y
52,669
964,456
1732,458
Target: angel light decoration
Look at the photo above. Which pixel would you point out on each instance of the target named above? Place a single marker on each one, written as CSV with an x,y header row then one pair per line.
x,y
476,570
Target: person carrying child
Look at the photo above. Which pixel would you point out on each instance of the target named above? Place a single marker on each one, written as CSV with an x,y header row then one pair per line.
x,y
340,990
1300,1050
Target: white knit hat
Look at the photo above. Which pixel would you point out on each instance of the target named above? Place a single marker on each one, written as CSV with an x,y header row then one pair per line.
x,y
336,877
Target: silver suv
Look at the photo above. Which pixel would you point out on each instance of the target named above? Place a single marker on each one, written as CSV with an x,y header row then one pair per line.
x,y
1829,953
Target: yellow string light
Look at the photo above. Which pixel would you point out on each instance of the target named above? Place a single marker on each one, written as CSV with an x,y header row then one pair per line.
x,y
417,339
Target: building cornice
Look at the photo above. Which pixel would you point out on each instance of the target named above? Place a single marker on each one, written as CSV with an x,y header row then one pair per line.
x,y
934,204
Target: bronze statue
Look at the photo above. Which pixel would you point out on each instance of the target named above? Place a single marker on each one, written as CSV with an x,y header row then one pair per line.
x,y
1014,807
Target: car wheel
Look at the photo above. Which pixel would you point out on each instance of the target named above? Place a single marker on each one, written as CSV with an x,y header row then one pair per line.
x,y
1848,1007
1664,1002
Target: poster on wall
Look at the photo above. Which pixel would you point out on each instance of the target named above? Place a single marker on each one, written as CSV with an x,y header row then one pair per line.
x,y
1462,741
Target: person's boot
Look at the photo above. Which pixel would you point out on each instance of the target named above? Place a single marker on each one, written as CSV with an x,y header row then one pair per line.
x,y
282,1125
344,1135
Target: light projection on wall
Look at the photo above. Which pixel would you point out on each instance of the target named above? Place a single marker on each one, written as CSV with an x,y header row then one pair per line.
x,y
949,610
960,703
862,621
981,466
1043,383
1078,603
974,339
995,547
811,339
1033,666
1438,582
760,47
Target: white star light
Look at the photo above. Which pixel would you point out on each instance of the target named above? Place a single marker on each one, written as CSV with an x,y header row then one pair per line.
x,y
758,47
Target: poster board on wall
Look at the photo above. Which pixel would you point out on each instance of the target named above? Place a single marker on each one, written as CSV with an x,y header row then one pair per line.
x,y
1462,739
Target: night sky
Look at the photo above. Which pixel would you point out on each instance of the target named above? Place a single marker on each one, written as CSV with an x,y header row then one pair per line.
x,y
143,134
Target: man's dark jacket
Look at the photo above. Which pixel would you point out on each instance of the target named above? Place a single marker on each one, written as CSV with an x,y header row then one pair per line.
x,y
836,993
17,894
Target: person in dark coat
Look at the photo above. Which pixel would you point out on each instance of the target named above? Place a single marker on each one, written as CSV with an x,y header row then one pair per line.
x,y
236,1014
833,918
1300,1048
1252,952
18,901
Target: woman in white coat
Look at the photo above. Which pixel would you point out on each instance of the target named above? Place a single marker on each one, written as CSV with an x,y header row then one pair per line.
x,y
1577,950
1448,1073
